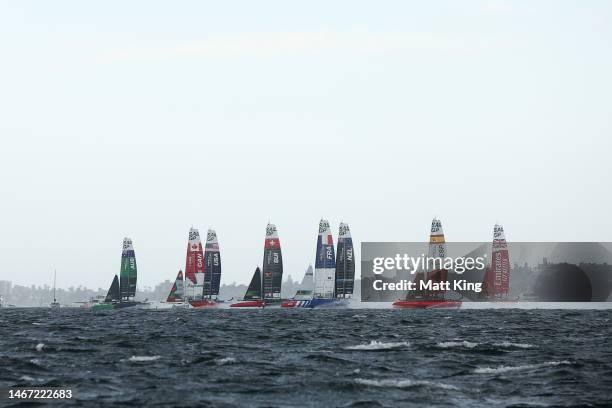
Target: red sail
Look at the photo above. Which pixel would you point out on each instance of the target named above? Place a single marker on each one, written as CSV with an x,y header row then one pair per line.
x,y
177,290
500,264
488,283
194,268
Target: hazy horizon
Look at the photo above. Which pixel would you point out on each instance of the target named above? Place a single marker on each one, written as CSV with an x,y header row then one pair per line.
x,y
143,119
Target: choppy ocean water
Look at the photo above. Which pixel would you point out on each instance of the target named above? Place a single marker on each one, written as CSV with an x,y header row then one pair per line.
x,y
312,358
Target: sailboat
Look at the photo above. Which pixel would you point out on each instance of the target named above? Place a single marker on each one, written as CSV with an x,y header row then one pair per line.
x,y
333,282
423,299
177,292
175,299
271,275
496,281
212,273
55,304
253,296
194,268
122,290
303,295
345,264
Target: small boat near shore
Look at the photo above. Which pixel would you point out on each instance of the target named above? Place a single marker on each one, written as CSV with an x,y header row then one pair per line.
x,y
55,304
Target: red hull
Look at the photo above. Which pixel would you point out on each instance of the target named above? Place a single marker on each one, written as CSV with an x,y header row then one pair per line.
x,y
249,303
200,304
516,300
289,303
427,304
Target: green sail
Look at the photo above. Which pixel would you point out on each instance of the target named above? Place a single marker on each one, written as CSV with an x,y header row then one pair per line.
x,y
128,273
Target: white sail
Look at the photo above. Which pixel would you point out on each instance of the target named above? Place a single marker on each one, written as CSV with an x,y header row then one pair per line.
x,y
305,289
325,263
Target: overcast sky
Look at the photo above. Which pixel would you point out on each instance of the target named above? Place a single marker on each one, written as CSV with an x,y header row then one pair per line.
x,y
145,118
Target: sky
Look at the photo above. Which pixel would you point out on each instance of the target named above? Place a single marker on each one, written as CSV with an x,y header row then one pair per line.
x,y
145,118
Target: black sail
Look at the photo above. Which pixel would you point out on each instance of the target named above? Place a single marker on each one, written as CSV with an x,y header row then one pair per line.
x,y
272,264
345,264
113,292
212,265
254,290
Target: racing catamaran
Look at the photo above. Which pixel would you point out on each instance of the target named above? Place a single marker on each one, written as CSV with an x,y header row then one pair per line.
x,y
496,281
333,281
270,277
430,298
212,273
123,288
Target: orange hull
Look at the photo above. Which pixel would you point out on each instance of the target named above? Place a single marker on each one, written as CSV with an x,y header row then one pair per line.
x,y
249,303
200,304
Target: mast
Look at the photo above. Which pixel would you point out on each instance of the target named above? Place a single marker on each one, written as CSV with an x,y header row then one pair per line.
x,y
128,271
54,277
437,253
212,266
272,277
433,270
500,263
345,265
194,267
325,263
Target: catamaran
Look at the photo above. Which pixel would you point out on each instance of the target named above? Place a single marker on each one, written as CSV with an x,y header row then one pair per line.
x,y
333,281
194,268
176,297
496,281
212,273
253,296
122,291
423,299
265,287
303,295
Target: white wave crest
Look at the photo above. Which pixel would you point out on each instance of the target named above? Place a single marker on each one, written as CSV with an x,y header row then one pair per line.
x,y
143,358
508,344
378,345
40,346
506,369
393,383
449,344
226,360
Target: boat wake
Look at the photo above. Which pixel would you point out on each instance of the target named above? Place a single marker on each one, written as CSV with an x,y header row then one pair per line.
x,y
226,360
507,344
142,359
471,345
395,383
378,345
506,369
449,344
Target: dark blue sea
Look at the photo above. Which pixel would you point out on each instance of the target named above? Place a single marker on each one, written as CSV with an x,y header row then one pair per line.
x,y
311,358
